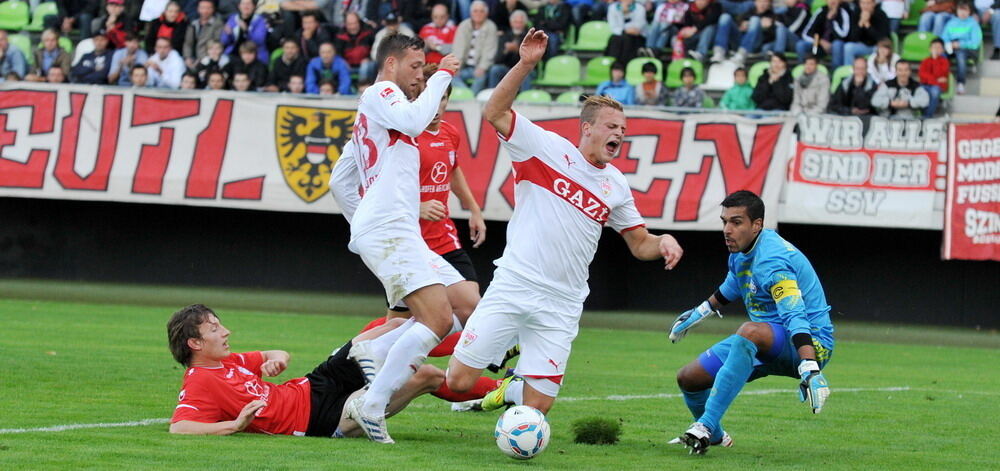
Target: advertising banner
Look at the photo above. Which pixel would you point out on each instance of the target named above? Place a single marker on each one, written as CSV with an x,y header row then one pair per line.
x,y
972,210
274,152
892,175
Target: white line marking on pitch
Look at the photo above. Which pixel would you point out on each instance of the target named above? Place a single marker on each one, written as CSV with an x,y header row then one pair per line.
x,y
63,428
757,392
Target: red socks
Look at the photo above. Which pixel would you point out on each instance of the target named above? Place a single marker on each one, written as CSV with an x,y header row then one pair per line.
x,y
483,386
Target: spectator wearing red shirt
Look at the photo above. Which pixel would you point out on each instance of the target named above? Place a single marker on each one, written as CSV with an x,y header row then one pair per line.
x,y
438,35
172,24
224,393
934,71
355,45
114,23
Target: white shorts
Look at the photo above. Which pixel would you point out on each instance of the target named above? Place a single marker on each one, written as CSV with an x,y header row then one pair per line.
x,y
512,311
401,260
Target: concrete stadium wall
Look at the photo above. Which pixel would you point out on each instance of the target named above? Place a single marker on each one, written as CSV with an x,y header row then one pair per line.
x,y
882,275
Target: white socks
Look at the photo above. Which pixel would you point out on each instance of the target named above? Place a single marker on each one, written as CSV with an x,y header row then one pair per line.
x,y
514,393
456,325
403,359
382,344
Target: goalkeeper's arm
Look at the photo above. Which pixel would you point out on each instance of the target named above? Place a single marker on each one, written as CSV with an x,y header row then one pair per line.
x,y
692,317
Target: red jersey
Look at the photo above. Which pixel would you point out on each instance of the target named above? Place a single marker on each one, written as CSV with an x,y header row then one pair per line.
x,y
437,162
211,395
433,35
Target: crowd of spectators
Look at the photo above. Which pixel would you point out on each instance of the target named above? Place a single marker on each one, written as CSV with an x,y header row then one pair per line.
x,y
328,46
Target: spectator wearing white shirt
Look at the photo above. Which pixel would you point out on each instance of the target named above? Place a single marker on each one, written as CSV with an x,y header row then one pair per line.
x,y
165,66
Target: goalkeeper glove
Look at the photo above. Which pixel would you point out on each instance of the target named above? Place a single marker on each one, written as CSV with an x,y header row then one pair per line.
x,y
689,319
813,387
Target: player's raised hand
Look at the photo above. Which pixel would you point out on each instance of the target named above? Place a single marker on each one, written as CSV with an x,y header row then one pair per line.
x,y
248,413
449,63
813,387
432,210
273,367
477,229
670,250
533,46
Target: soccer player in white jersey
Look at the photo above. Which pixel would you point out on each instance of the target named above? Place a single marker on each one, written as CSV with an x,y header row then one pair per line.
x,y
384,228
564,196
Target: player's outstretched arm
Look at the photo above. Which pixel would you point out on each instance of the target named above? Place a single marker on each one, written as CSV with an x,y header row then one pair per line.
x,y
477,226
391,108
497,109
646,246
229,427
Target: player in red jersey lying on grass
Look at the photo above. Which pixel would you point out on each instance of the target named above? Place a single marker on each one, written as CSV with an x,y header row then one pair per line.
x,y
224,392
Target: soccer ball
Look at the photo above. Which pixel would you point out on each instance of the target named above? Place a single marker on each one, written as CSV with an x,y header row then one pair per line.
x,y
522,432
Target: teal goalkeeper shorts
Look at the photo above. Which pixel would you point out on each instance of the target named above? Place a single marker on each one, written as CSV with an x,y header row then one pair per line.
x,y
781,360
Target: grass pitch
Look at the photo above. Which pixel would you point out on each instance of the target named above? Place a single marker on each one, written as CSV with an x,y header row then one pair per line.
x,y
84,360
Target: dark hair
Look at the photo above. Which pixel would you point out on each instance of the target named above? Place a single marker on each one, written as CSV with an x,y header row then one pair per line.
x,y
618,65
746,199
328,81
395,45
649,67
137,67
315,14
429,70
183,325
740,69
190,74
812,57
688,70
780,57
289,39
131,36
963,5
247,46
938,41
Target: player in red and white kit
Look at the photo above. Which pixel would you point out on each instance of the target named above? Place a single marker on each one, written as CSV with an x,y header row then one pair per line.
x,y
224,393
564,197
384,229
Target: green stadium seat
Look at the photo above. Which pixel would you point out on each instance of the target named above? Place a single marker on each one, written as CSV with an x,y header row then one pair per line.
x,y
39,13
568,97
13,15
817,5
895,42
707,102
674,72
633,70
461,94
597,70
797,71
915,7
275,54
839,74
593,36
917,46
534,96
947,96
67,44
570,38
23,42
756,71
560,71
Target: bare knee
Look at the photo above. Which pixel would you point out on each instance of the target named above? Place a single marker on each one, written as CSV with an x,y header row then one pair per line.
x,y
693,377
757,332
461,378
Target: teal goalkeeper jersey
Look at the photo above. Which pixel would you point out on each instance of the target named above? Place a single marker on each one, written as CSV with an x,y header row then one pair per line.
x,y
778,284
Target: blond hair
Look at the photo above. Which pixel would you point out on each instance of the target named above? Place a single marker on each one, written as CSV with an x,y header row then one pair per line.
x,y
593,104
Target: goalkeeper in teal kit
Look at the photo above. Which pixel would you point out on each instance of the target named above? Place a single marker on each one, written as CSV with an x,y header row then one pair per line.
x,y
790,333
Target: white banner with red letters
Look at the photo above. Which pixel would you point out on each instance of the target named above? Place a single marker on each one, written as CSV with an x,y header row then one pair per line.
x,y
972,210
890,175
274,152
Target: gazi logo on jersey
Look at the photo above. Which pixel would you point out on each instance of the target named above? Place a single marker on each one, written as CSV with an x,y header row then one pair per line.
x,y
309,142
537,172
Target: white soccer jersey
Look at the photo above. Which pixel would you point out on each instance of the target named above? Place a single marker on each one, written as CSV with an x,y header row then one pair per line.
x,y
386,155
562,202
